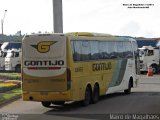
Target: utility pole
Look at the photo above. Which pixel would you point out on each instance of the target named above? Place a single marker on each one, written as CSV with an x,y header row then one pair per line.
x,y
2,20
57,16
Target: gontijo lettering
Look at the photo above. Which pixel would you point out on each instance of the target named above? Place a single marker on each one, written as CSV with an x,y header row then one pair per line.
x,y
43,63
101,66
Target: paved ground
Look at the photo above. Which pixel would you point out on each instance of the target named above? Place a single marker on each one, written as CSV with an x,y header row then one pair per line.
x,y
145,99
148,84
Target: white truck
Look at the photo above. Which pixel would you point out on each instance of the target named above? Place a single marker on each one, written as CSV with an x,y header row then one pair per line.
x,y
12,56
149,56
13,60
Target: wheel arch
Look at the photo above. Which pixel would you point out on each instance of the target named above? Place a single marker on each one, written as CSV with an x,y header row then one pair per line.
x,y
96,84
89,86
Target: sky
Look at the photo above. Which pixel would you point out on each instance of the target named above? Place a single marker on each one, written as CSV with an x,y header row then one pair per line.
x,y
102,16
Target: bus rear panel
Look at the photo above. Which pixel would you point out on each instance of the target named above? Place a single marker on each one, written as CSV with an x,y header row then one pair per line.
x,y
45,68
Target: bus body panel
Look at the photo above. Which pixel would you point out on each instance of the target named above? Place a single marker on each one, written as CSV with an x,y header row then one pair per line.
x,y
85,73
125,74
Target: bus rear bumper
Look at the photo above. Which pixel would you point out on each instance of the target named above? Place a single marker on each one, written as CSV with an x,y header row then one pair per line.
x,y
46,96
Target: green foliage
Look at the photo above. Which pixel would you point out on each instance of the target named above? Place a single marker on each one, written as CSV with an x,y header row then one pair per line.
x,y
9,85
10,76
4,89
1,81
9,95
9,81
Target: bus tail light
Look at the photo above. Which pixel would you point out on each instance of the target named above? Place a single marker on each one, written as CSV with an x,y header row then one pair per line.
x,y
68,78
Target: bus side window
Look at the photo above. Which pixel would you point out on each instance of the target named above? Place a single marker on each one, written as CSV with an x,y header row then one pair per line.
x,y
103,50
76,50
128,50
94,50
86,54
73,50
112,50
120,50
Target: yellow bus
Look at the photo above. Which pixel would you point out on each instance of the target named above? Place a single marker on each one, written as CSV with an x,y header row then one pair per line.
x,y
77,66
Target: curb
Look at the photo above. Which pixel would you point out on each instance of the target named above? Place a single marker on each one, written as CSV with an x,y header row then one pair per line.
x,y
10,100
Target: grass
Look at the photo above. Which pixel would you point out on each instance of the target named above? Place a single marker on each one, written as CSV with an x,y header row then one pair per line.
x,y
10,76
10,95
7,86
1,81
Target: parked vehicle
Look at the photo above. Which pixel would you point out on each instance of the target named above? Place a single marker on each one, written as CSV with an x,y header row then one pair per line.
x,y
149,56
10,60
13,60
77,67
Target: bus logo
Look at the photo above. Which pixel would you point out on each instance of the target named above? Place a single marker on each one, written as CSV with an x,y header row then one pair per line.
x,y
44,46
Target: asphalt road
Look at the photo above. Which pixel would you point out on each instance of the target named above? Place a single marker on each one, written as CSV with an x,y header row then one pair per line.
x,y
145,99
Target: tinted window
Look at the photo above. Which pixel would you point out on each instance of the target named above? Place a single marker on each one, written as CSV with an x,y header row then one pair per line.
x,y
120,50
128,50
77,47
94,50
103,50
135,47
142,43
13,45
86,54
112,50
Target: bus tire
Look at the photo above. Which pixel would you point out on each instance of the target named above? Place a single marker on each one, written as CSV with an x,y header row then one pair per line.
x,y
128,91
58,102
95,96
46,104
87,97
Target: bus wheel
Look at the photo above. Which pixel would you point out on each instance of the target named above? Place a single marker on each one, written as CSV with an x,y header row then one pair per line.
x,y
58,102
46,104
95,97
87,98
128,91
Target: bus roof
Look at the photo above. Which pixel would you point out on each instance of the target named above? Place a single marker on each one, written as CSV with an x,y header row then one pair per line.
x,y
110,37
88,34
